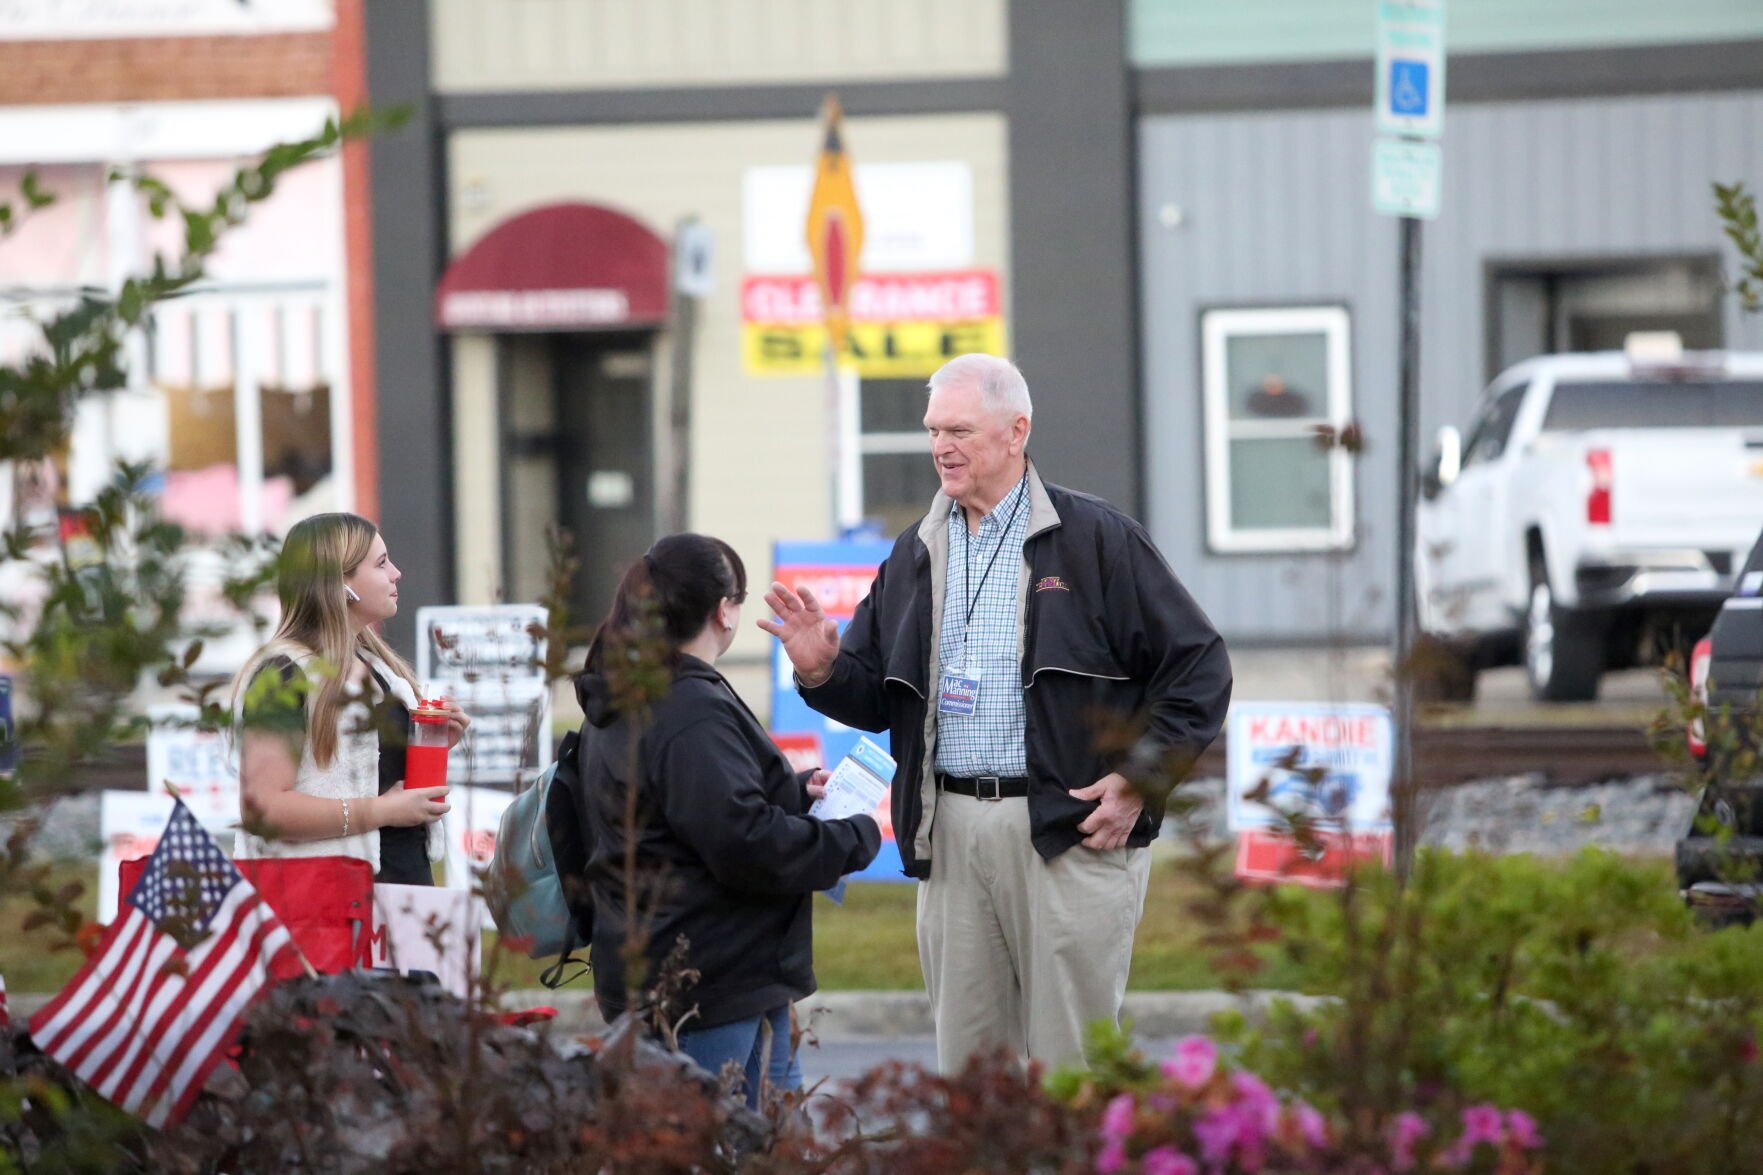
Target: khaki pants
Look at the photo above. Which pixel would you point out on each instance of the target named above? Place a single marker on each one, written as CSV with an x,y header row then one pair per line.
x,y
1019,952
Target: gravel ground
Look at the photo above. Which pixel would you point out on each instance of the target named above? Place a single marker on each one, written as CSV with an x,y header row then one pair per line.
x,y
1643,816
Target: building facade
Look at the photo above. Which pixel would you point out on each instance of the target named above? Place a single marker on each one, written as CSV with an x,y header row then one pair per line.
x,y
1159,208
251,393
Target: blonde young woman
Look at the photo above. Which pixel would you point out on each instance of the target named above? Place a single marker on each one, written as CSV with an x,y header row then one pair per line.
x,y
323,710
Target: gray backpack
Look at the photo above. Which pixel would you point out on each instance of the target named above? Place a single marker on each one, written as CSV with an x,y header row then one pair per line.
x,y
535,888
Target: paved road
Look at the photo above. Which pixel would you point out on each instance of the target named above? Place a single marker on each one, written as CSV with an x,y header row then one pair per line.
x,y
848,1058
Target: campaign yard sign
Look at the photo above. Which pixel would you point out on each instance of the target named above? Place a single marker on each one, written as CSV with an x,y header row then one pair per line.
x,y
1328,763
839,575
491,659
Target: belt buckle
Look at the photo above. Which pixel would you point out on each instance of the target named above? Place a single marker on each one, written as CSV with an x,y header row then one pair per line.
x,y
979,791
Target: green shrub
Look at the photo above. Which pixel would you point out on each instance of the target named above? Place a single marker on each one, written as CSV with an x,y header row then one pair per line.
x,y
1580,991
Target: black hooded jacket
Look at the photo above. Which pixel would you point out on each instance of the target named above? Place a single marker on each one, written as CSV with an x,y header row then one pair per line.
x,y
725,854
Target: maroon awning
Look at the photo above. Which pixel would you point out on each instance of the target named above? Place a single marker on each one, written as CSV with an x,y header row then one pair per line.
x,y
560,267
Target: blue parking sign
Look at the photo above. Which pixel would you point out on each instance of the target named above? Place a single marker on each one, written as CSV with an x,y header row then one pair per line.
x,y
1410,74
1408,87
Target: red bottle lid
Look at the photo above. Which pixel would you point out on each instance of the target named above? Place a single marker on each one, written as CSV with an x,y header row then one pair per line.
x,y
430,710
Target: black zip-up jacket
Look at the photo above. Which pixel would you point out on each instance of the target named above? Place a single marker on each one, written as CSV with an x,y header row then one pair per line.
x,y
1121,670
725,854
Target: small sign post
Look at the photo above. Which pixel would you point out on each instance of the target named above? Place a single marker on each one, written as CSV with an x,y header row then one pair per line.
x,y
1410,88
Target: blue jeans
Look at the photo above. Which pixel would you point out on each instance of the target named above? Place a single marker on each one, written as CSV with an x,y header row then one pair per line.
x,y
744,1043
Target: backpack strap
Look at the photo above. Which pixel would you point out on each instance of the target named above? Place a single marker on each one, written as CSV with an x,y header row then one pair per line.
x,y
553,976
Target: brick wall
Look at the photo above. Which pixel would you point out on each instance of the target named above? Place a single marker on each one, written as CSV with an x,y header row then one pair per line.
x,y
163,69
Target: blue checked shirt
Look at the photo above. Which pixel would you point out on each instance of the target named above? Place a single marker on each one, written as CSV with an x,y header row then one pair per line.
x,y
992,741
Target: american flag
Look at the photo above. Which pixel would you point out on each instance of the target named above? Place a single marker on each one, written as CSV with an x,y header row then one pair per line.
x,y
160,1000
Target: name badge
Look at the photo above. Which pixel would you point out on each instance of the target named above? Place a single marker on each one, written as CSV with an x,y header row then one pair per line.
x,y
959,694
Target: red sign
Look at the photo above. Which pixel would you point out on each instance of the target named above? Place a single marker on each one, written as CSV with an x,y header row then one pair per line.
x,y
955,296
802,750
839,589
1271,857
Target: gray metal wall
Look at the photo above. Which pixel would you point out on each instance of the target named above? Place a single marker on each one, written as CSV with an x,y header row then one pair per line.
x,y
1275,208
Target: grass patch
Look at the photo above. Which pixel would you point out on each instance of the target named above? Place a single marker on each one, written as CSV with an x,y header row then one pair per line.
x,y
871,942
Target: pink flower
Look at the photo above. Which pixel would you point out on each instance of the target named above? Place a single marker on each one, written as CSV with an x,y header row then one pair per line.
x,y
1312,1127
1483,1123
1194,1061
1111,1159
1166,1160
1216,1132
1522,1129
1256,1101
1237,1129
1408,1129
1117,1119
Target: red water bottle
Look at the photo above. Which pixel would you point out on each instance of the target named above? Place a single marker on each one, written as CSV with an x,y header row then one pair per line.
x,y
425,763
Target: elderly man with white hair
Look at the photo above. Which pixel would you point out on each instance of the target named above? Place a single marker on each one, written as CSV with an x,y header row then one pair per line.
x,y
1041,672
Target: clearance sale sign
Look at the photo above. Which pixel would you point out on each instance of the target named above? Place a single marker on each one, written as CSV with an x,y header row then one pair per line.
x,y
900,325
839,574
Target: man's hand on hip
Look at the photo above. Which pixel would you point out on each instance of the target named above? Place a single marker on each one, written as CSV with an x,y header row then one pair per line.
x,y
810,639
1109,825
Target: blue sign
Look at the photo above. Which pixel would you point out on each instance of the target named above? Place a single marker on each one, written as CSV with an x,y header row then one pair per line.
x,y
1410,76
1409,94
838,574
8,733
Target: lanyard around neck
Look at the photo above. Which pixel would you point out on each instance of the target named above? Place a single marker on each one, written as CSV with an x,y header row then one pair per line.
x,y
967,563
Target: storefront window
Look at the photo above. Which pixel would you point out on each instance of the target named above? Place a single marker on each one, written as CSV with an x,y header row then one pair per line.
x,y
245,388
1275,381
898,477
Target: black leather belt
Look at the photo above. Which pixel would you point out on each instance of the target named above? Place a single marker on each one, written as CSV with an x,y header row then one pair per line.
x,y
985,787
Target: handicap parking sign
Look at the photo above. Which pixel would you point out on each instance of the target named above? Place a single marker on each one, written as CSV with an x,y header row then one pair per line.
x,y
1408,93
1411,67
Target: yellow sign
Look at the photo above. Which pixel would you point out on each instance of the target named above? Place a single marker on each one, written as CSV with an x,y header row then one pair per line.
x,y
835,223
877,350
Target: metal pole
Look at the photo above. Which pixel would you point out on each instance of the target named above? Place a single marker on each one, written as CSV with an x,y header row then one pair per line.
x,y
685,323
835,440
1407,486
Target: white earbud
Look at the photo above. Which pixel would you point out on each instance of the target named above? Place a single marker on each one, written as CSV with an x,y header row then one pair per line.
x,y
352,596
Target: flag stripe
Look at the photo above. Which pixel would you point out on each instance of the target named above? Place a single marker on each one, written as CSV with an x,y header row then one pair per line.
x,y
224,1021
179,1023
199,962
199,1037
75,1021
126,1001
75,992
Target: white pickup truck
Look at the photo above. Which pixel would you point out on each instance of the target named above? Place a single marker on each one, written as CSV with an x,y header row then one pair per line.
x,y
1594,515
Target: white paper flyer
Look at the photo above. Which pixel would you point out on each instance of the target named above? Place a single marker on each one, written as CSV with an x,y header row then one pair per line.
x,y
858,785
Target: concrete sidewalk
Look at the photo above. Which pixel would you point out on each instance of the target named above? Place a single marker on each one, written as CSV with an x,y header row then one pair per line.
x,y
839,1016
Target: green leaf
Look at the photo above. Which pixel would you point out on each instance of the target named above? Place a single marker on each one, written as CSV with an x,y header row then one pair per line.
x,y
33,191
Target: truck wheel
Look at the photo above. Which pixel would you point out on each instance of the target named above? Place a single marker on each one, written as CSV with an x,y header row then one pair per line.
x,y
1563,650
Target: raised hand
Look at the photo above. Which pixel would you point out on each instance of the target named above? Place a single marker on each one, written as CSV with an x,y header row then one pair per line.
x,y
810,639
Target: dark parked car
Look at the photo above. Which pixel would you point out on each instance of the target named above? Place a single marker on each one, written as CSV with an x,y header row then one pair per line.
x,y
1721,877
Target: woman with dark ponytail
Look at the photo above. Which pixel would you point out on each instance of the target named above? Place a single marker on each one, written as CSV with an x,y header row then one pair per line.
x,y
673,763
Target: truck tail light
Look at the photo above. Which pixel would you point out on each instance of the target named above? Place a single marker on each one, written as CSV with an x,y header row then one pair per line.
x,y
1597,500
1700,659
